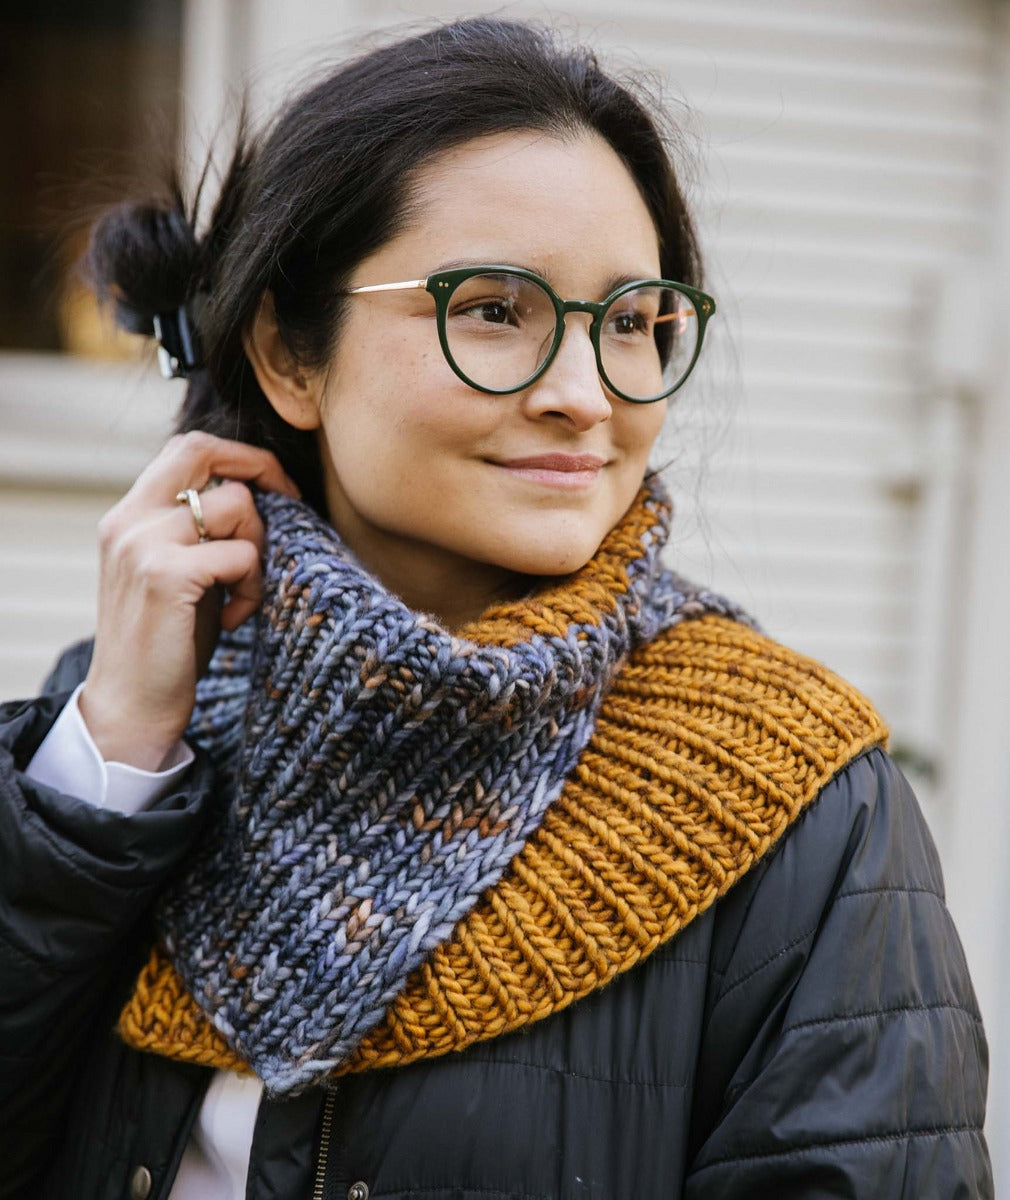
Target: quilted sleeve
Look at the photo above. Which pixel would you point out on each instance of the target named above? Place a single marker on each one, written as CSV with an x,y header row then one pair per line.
x,y
75,884
843,1052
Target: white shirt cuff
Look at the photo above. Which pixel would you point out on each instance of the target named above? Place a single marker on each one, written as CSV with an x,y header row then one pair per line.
x,y
69,761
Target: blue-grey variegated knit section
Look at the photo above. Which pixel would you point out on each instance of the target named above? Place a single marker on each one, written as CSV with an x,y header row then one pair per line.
x,y
377,774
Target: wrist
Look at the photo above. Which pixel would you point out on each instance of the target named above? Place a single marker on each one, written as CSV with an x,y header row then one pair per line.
x,y
120,737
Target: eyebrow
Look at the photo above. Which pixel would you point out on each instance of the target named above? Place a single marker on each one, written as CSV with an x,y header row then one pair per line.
x,y
616,281
452,264
611,284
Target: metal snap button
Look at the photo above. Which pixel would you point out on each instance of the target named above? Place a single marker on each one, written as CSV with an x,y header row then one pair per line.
x,y
140,1184
358,1191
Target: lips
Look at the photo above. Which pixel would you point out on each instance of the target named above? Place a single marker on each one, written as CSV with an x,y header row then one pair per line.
x,y
556,462
564,472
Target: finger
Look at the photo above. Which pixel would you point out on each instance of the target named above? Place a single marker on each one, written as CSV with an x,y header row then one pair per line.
x,y
191,460
243,594
239,570
168,574
130,533
237,610
229,511
235,564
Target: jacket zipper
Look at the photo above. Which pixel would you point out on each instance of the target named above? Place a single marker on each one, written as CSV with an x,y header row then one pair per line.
x,y
324,1143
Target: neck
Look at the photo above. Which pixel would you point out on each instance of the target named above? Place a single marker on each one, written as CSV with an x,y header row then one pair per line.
x,y
428,579
454,591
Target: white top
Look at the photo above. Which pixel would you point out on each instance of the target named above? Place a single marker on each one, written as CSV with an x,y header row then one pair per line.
x,y
216,1159
69,761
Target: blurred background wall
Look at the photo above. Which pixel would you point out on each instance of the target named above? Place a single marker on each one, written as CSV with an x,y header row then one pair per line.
x,y
841,461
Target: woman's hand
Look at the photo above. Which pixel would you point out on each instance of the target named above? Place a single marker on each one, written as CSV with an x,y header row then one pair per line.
x,y
159,607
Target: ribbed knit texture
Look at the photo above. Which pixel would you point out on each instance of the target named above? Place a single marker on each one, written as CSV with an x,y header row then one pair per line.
x,y
703,746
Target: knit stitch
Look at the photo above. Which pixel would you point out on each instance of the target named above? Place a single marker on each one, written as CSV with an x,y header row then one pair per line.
x,y
387,774
432,840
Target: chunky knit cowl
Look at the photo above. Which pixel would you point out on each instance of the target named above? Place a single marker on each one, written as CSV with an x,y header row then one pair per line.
x,y
383,780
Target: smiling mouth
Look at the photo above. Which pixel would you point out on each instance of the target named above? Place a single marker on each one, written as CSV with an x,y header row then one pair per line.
x,y
556,470
556,462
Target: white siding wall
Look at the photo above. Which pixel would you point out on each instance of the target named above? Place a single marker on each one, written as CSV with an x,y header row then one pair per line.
x,y
73,436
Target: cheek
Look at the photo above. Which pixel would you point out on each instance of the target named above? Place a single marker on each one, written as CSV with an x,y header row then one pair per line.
x,y
403,441
640,427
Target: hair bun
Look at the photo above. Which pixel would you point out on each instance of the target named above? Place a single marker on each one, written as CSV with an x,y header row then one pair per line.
x,y
144,258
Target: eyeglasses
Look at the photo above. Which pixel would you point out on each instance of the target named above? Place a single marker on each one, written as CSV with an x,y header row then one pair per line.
x,y
501,327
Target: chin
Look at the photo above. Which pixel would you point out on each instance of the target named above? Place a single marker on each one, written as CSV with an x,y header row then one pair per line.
x,y
551,561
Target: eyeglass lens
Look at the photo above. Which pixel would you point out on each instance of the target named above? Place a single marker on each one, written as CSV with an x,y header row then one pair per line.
x,y
500,328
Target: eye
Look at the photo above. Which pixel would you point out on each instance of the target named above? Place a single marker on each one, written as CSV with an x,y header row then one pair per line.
x,y
494,312
628,322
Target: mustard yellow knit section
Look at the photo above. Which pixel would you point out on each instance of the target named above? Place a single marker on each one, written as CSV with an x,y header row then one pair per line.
x,y
710,743
580,599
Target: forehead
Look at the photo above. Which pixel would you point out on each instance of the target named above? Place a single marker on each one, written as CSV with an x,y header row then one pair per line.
x,y
567,206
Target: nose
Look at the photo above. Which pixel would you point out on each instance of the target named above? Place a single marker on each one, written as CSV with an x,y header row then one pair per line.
x,y
571,387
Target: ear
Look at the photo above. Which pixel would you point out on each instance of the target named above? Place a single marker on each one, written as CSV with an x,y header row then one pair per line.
x,y
294,392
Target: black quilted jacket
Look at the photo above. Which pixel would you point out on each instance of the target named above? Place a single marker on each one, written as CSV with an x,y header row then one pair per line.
x,y
814,1034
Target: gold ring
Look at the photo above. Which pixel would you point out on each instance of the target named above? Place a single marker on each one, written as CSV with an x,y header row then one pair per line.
x,y
191,497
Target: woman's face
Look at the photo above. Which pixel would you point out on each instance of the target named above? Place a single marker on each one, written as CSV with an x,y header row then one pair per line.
x,y
429,481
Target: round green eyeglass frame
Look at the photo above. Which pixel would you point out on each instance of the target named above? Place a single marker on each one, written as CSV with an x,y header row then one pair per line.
x,y
442,284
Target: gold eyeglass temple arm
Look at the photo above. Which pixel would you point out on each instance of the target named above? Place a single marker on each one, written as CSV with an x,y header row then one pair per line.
x,y
388,287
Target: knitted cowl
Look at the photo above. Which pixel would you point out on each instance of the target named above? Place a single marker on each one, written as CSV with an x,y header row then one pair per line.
x,y
378,774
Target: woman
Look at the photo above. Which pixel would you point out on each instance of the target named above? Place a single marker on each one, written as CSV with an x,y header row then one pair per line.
x,y
490,858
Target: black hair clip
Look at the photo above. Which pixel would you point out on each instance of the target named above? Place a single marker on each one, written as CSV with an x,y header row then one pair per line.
x,y
178,348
